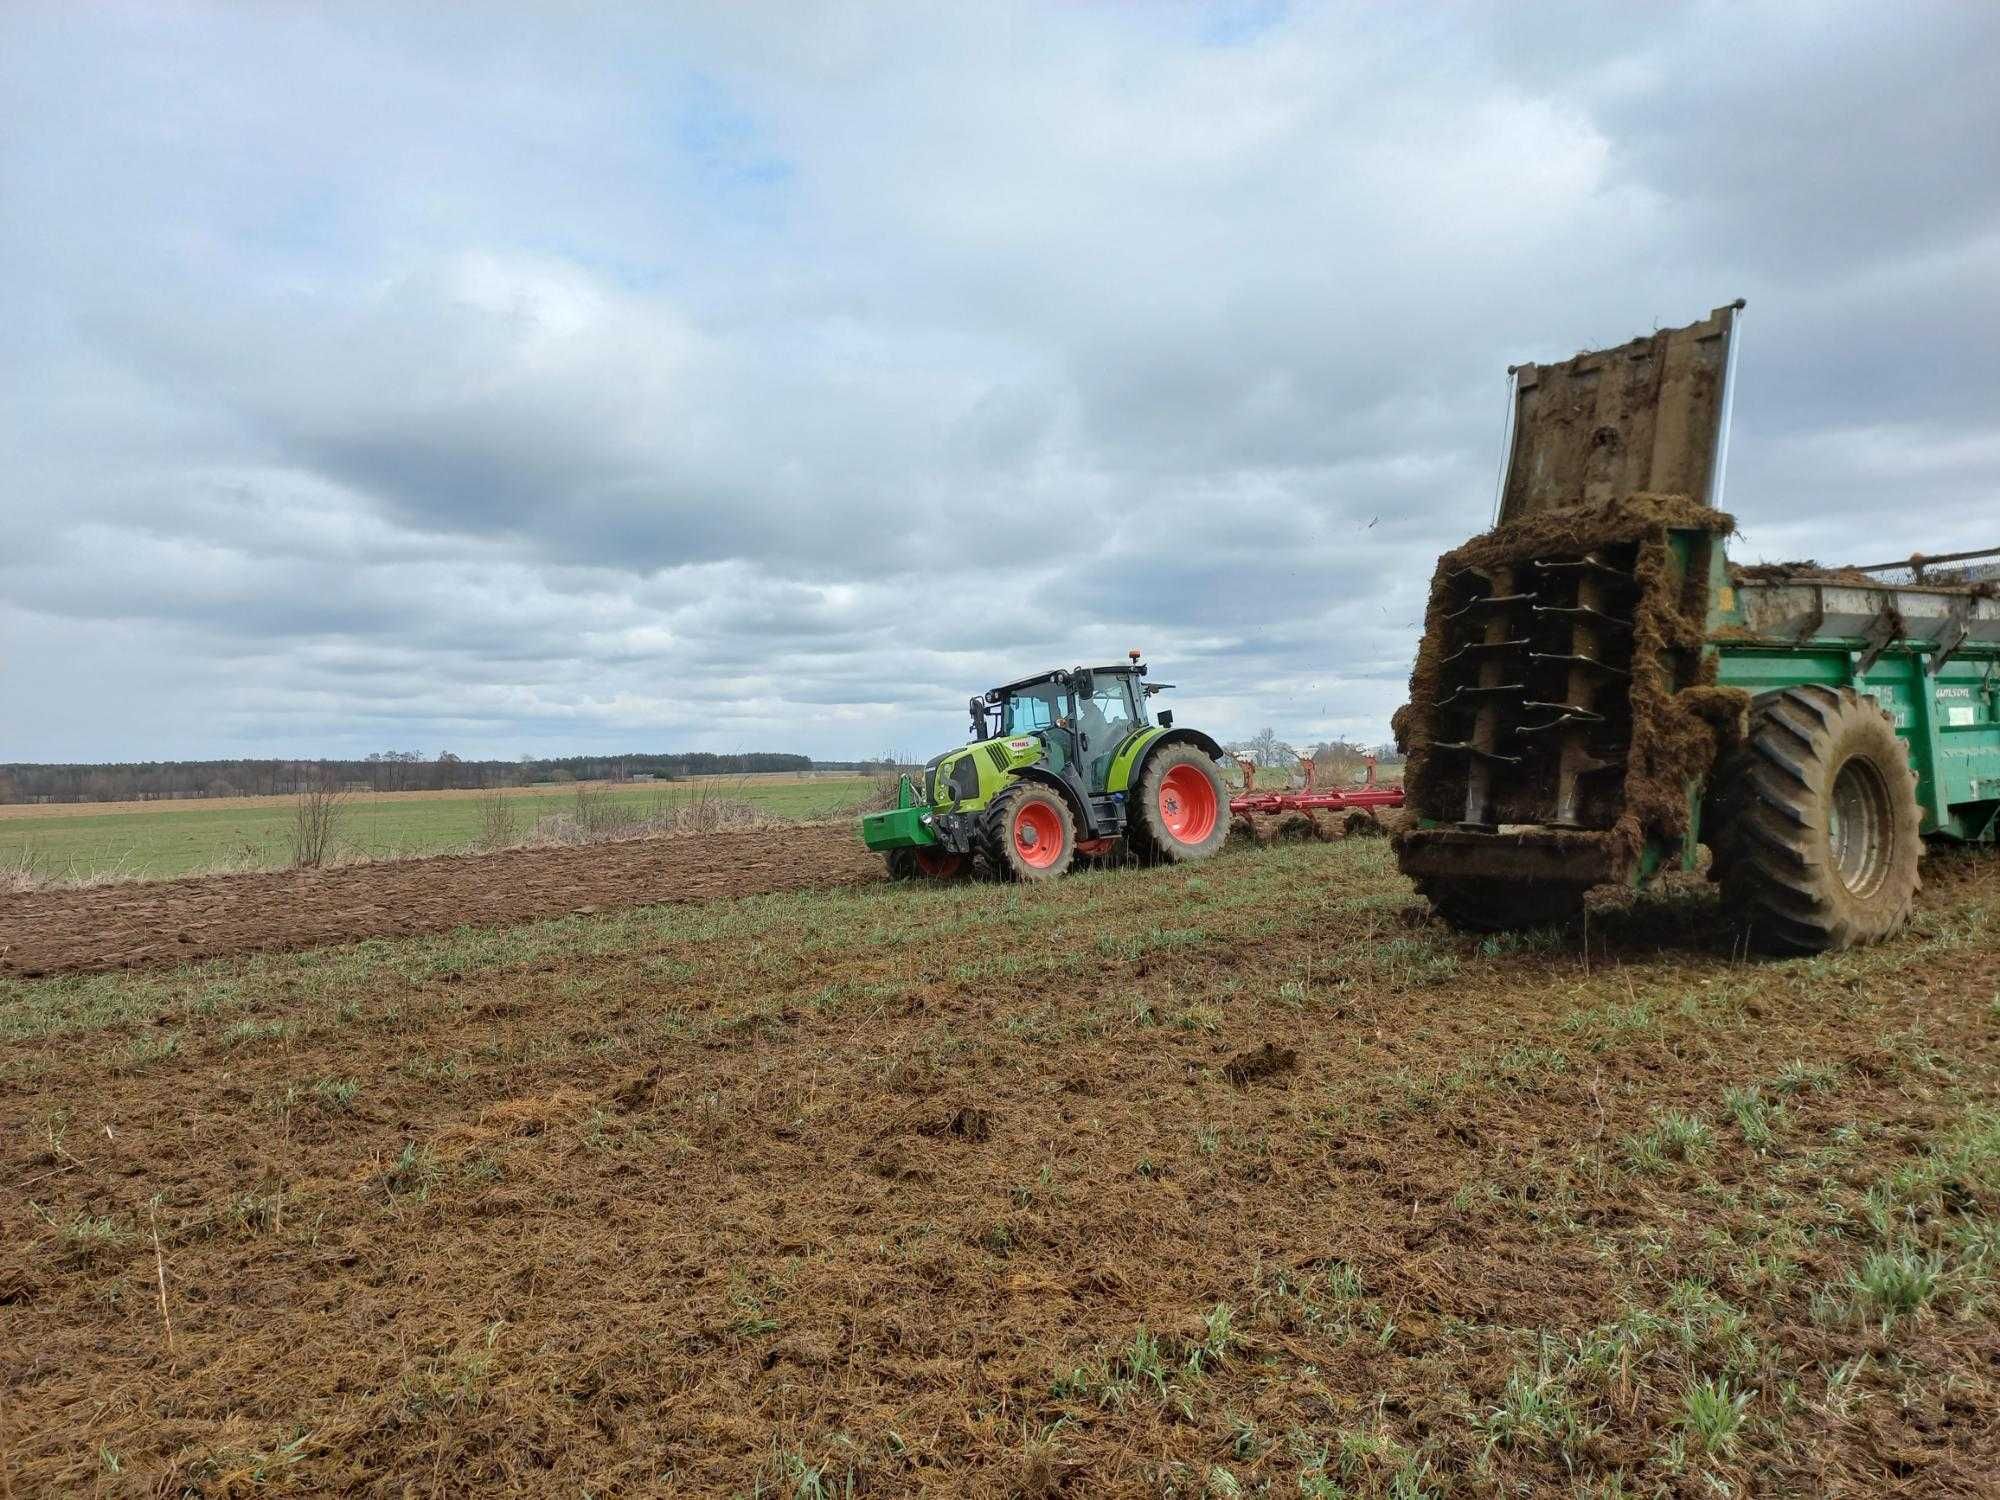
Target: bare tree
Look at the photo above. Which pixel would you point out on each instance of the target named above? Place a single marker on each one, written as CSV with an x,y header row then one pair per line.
x,y
1266,750
496,820
316,820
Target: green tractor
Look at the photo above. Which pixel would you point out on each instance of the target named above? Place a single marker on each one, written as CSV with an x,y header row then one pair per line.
x,y
1062,767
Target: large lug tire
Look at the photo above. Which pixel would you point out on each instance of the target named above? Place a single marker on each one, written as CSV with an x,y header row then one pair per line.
x,y
927,864
1027,833
1181,809
1818,832
1490,905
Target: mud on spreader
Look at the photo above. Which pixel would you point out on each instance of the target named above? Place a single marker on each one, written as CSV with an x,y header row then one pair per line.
x,y
1599,692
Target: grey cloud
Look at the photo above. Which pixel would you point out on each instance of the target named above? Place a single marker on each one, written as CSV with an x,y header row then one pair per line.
x,y
774,377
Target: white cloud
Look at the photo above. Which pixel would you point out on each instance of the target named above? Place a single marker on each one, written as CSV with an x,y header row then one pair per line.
x,y
768,378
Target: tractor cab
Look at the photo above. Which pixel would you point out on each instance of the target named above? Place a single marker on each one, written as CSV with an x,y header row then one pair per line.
x,y
1063,765
1082,717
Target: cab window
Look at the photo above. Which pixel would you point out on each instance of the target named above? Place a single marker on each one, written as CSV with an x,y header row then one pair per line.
x,y
1107,714
1034,708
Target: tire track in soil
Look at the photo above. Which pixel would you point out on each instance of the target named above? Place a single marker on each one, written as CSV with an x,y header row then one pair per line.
x,y
180,921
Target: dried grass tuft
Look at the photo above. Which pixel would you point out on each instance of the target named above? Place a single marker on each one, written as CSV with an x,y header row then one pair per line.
x,y
599,819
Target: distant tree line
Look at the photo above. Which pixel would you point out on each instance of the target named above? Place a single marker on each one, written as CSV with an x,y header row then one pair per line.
x,y
886,764
1265,750
384,771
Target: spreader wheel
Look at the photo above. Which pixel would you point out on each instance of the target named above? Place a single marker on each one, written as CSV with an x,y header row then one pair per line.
x,y
1182,809
1476,905
1027,833
927,864
1817,832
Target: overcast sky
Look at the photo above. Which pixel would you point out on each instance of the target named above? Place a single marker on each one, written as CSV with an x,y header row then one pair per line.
x,y
730,378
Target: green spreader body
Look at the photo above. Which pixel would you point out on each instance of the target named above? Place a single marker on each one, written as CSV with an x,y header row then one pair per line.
x,y
1929,655
1600,692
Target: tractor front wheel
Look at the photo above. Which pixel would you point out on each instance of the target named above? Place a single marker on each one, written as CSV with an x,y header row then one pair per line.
x,y
1028,833
1181,811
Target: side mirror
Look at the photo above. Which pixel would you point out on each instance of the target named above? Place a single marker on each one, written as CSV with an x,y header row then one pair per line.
x,y
1082,681
1166,718
976,706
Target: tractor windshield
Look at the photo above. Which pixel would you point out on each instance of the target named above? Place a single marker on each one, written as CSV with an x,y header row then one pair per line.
x,y
1106,717
1108,714
1036,707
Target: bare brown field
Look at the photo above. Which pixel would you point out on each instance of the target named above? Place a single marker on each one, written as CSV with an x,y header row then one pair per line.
x,y
139,925
1239,1180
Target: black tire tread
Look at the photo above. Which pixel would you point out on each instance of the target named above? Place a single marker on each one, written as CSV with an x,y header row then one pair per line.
x,y
992,836
1768,840
1152,844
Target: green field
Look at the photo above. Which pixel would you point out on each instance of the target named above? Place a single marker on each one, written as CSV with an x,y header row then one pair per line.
x,y
185,837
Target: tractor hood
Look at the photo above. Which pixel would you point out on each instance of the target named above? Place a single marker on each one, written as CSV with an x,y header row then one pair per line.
x,y
958,775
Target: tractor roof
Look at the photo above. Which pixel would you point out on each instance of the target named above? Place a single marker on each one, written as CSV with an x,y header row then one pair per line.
x,y
995,694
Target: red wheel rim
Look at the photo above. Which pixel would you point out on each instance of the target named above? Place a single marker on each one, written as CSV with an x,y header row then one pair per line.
x,y
939,864
1187,804
1038,835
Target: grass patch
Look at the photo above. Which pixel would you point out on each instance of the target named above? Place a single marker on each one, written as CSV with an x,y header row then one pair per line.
x,y
1712,1414
1536,1409
1755,1116
146,1050
1893,1283
1676,1140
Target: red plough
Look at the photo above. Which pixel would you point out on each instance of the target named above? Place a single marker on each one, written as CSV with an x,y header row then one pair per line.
x,y
1367,796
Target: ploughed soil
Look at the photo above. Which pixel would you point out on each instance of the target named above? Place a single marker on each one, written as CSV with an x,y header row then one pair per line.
x,y
1240,1179
128,926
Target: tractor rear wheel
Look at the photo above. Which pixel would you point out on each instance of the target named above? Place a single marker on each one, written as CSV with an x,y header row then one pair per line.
x,y
1182,808
927,864
1027,833
1818,832
1473,904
